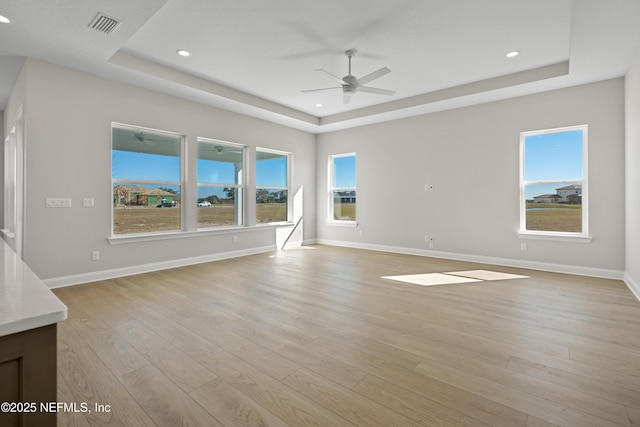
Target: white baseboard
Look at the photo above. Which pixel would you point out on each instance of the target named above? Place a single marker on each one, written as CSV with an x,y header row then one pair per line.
x,y
533,265
95,276
507,262
633,286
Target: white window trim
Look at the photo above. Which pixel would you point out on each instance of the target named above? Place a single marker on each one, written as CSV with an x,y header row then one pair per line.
x,y
289,157
581,237
330,219
165,235
14,184
181,184
242,186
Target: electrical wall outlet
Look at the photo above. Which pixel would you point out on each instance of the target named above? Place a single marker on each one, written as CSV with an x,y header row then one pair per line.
x,y
95,255
429,240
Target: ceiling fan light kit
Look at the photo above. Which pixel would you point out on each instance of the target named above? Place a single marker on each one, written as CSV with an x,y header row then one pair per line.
x,y
351,85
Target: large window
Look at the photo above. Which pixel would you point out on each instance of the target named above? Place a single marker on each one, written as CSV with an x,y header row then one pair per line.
x,y
342,194
553,182
146,174
272,186
220,183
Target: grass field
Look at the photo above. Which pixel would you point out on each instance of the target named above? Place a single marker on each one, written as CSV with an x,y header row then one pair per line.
x,y
140,219
540,217
554,217
344,211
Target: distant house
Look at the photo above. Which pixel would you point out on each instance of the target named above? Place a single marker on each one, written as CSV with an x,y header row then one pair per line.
x,y
574,199
344,197
570,193
548,198
141,196
127,194
154,197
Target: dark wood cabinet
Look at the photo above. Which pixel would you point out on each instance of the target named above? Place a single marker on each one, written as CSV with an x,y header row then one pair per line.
x,y
28,377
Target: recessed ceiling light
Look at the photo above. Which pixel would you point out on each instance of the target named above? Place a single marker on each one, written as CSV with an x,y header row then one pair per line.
x,y
513,54
4,20
319,105
183,52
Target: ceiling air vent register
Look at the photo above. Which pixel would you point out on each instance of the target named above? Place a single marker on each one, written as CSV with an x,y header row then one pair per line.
x,y
103,23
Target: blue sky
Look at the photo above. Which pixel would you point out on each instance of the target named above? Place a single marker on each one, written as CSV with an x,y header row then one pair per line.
x,y
344,171
138,166
552,156
272,172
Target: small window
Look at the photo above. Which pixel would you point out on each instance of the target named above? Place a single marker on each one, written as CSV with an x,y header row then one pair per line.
x,y
146,180
553,182
220,183
342,196
272,186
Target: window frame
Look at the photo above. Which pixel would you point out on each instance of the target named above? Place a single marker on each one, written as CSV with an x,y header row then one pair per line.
x,y
332,188
124,181
582,236
287,188
10,185
241,212
14,189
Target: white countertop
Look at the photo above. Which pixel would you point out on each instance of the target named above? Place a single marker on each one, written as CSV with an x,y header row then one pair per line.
x,y
25,301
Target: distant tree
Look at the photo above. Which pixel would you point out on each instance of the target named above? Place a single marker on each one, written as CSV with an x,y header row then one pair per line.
x,y
168,190
282,196
262,195
230,192
266,196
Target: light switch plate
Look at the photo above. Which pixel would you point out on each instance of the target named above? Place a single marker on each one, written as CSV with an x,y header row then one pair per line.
x,y
52,202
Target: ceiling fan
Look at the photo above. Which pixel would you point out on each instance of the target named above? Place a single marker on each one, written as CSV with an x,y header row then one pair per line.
x,y
350,84
142,137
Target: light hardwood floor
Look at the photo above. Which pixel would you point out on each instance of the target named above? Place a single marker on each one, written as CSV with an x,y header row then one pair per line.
x,y
315,336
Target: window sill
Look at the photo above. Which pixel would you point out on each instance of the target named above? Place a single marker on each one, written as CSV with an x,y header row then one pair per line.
x,y
275,224
558,237
343,223
8,234
150,237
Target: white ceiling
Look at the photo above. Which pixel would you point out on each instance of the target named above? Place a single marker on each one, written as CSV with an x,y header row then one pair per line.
x,y
257,56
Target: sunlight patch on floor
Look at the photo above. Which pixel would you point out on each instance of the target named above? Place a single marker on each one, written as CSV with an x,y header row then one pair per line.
x,y
431,279
452,277
486,275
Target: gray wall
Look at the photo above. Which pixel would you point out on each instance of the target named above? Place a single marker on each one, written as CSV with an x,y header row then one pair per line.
x,y
632,156
68,117
471,157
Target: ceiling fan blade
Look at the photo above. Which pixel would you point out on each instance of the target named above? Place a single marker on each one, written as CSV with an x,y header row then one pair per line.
x,y
372,76
318,90
376,90
333,76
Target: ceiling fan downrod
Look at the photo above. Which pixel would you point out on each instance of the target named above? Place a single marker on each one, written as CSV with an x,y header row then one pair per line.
x,y
350,54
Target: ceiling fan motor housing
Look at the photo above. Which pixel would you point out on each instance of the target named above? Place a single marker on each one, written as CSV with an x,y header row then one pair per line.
x,y
351,84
